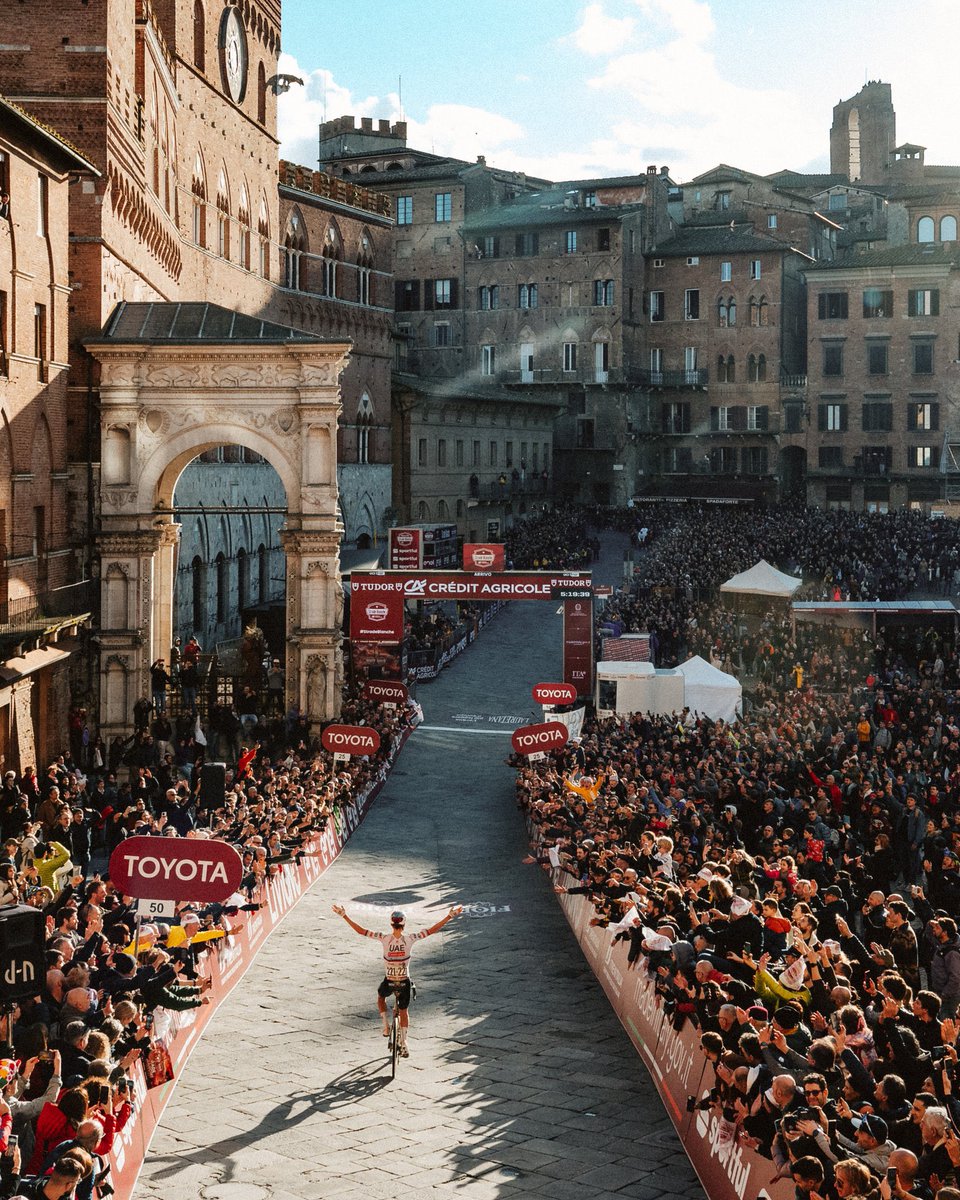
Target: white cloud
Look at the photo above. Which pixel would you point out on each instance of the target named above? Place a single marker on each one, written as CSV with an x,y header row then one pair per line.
x,y
599,33
672,93
301,110
460,130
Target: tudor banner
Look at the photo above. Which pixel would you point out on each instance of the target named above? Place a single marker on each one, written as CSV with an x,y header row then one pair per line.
x,y
376,617
458,585
578,645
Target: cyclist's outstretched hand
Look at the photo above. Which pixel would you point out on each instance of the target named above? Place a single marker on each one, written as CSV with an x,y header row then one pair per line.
x,y
456,910
339,910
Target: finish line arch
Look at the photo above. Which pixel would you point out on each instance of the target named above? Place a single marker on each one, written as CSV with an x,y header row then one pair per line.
x,y
176,380
377,606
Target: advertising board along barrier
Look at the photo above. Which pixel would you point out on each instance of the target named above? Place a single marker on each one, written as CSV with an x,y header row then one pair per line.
x,y
225,963
350,739
539,739
554,693
385,691
675,1063
149,868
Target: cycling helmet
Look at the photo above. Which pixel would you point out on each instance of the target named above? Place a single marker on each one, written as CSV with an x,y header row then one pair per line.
x,y
398,917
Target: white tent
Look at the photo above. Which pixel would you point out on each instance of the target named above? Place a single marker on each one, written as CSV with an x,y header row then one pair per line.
x,y
710,691
763,580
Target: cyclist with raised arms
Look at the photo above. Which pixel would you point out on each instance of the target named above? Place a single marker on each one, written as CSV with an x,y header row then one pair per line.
x,y
397,946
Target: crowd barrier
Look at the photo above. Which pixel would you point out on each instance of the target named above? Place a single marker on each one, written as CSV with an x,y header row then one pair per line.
x,y
676,1065
427,664
226,966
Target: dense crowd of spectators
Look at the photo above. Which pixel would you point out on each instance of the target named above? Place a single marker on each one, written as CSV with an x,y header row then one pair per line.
x,y
67,1055
557,540
791,883
863,556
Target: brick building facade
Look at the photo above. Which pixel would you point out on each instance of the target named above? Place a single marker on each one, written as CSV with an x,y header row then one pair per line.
x,y
40,606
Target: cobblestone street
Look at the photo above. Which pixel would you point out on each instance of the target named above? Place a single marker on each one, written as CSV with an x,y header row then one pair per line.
x,y
520,1081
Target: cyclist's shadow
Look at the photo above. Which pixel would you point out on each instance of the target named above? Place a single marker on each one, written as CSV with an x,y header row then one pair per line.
x,y
357,1084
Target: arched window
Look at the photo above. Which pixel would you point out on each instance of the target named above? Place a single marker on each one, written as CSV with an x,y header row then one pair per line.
x,y
757,368
199,36
732,312
423,511
243,579
199,587
754,311
925,230
261,95
263,573
752,368
721,369
223,588
948,229
731,369
763,314
722,312
263,233
332,254
223,216
243,223
364,270
364,423
198,187
294,244
443,511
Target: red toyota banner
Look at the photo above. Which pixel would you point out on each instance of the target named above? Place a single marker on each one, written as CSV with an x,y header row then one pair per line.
x,y
160,868
350,739
376,617
459,585
384,691
554,693
578,645
539,739
483,556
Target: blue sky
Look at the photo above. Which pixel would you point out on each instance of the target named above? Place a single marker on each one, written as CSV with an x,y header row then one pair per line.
x,y
569,89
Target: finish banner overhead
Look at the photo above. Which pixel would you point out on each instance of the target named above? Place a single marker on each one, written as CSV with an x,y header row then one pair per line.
x,y
456,585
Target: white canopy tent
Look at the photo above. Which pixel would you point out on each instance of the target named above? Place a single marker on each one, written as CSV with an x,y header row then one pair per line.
x,y
710,691
763,580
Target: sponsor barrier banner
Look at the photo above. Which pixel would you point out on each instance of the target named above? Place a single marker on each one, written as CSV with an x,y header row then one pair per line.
x,y
676,1065
151,868
554,693
385,691
483,556
376,618
350,739
459,585
539,739
578,645
225,966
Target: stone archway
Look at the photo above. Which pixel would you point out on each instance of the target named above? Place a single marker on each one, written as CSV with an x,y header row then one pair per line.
x,y
167,397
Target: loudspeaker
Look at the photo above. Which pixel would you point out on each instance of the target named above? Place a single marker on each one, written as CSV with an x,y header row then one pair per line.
x,y
213,785
22,960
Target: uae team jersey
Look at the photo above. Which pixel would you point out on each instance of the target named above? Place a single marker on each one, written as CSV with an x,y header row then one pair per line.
x,y
396,952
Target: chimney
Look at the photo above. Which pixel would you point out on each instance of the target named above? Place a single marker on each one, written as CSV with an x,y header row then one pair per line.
x,y
481,160
366,124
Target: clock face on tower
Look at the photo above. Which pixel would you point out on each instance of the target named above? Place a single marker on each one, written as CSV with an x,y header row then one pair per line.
x,y
233,54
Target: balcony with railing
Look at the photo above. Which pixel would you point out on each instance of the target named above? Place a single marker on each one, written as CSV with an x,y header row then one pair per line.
x,y
672,379
43,612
